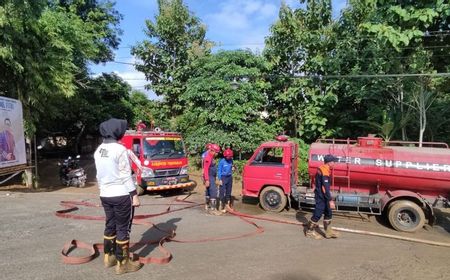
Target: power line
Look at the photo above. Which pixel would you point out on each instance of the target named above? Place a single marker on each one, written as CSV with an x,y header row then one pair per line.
x,y
122,62
442,33
348,59
332,76
444,74
402,48
426,47
386,58
447,74
262,44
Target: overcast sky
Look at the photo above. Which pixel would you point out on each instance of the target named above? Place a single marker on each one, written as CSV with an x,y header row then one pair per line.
x,y
233,24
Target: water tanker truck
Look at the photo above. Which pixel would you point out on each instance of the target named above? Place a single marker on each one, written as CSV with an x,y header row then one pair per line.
x,y
398,179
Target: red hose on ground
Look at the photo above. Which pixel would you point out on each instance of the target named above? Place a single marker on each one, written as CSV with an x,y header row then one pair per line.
x,y
356,231
71,206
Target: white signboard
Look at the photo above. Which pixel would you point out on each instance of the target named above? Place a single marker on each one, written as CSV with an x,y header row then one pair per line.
x,y
12,138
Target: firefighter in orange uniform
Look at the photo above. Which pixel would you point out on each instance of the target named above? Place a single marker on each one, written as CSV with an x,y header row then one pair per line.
x,y
322,196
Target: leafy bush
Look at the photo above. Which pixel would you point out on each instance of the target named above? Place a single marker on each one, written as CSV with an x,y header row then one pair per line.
x,y
303,152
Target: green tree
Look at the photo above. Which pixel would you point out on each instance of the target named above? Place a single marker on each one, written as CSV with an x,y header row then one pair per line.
x,y
363,99
384,37
299,45
439,124
102,20
176,39
73,116
149,111
226,99
45,48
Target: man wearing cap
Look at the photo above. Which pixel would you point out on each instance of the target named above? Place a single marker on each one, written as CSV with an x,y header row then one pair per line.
x,y
322,196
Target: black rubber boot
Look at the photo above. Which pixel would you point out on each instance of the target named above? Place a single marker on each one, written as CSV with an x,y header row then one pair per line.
x,y
214,205
329,232
207,202
229,204
124,263
310,231
109,248
223,203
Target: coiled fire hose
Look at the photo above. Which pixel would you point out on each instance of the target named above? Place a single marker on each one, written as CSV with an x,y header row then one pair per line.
x,y
94,249
71,206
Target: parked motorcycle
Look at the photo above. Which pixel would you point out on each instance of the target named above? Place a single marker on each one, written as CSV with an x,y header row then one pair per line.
x,y
70,172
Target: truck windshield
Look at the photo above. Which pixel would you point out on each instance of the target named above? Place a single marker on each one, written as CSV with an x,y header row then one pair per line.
x,y
269,156
159,148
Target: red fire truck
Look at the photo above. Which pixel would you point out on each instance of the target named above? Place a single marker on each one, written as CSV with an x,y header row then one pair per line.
x,y
397,179
159,160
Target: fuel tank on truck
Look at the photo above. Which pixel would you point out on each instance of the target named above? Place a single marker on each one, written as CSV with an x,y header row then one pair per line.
x,y
372,165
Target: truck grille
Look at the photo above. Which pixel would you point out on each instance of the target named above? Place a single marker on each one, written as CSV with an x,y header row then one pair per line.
x,y
167,172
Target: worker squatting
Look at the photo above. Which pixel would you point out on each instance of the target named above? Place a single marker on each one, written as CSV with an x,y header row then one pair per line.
x,y
389,163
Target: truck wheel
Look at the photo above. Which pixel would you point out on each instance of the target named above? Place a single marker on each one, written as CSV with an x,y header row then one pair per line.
x,y
405,215
272,199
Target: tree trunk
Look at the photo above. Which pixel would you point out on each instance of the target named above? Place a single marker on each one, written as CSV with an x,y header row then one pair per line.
x,y
77,140
422,114
402,112
295,126
29,171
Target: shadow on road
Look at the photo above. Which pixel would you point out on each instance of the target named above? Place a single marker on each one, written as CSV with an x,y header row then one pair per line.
x,y
443,219
154,234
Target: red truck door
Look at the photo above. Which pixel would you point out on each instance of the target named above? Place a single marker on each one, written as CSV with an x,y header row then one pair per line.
x,y
269,166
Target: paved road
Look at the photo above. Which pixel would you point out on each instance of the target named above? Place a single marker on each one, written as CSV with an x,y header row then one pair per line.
x,y
31,238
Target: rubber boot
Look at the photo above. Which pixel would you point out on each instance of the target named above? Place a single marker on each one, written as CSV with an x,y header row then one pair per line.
x,y
229,204
311,232
329,232
109,248
124,263
207,203
213,207
222,206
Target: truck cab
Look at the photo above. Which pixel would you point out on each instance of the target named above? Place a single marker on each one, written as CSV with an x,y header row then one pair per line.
x,y
271,173
158,160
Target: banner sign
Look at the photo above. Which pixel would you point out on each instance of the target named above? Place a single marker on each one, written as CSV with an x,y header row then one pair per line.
x,y
12,138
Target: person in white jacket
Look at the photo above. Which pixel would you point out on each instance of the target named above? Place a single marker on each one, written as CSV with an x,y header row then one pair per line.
x,y
117,194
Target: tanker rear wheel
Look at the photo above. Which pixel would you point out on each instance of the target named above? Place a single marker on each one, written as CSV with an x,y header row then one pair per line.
x,y
272,199
405,215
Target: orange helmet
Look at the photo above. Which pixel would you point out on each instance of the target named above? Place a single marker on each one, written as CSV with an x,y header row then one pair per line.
x,y
228,153
214,147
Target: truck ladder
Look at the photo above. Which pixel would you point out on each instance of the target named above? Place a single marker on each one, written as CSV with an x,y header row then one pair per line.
x,y
347,169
